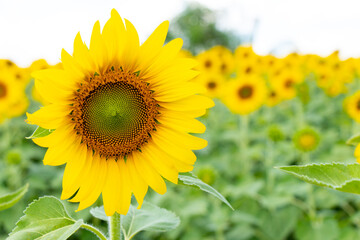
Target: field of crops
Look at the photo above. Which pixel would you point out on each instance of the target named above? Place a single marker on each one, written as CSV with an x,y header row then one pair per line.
x,y
269,112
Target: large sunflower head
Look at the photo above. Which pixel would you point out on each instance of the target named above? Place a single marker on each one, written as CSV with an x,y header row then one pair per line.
x,y
121,115
245,95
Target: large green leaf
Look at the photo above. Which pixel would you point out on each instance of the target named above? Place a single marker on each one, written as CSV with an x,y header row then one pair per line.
x,y
45,218
339,176
148,218
8,200
192,180
40,132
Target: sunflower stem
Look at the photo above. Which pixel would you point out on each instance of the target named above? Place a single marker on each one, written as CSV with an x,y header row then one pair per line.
x,y
94,230
244,125
115,227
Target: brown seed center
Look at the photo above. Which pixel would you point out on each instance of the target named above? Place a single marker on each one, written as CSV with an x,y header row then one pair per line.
x,y
245,91
115,113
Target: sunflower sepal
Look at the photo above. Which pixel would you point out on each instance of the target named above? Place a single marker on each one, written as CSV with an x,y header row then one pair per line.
x,y
149,218
338,176
190,179
40,132
10,199
354,140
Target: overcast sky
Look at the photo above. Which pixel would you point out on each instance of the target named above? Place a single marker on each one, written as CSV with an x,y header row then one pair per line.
x,y
35,29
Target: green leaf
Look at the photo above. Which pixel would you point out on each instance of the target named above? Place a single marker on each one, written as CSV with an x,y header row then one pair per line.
x,y
148,218
186,179
40,132
8,200
339,176
45,218
354,140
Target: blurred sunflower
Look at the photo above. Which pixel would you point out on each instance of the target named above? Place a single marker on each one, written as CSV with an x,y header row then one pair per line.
x,y
245,95
208,61
121,115
352,106
13,101
306,140
285,83
273,98
214,84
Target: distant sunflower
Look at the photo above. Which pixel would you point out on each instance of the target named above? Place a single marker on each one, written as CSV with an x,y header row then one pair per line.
x,y
121,115
245,95
214,84
13,101
285,83
352,106
306,140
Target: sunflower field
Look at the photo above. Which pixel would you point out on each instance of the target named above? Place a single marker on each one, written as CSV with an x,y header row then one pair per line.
x,y
103,144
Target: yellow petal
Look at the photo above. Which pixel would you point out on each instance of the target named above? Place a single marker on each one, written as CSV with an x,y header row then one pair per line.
x,y
112,190
61,153
182,123
195,102
58,77
73,170
83,57
98,187
180,138
125,197
161,165
56,137
72,67
176,151
149,174
97,48
50,117
152,46
139,187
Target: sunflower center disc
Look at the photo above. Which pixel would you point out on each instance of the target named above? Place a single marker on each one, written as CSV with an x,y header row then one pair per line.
x,y
2,90
245,92
115,113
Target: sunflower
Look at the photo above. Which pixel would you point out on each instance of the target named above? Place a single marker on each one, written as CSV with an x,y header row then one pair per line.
x,y
306,140
213,83
13,101
121,115
245,95
352,106
208,61
285,83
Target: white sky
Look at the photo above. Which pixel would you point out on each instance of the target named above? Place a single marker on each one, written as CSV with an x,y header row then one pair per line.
x,y
35,29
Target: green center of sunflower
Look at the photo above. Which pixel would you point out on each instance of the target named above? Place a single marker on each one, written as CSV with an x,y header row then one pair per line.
x,y
3,90
245,92
115,113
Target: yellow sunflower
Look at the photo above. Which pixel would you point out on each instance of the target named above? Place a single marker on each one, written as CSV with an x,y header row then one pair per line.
x,y
13,101
306,140
245,95
352,106
214,84
208,61
121,115
285,83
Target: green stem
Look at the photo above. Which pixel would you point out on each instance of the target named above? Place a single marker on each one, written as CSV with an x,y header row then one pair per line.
x,y
269,166
96,231
310,196
115,227
244,141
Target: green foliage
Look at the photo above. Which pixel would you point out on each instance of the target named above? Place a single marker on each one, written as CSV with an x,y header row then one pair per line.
x,y
148,218
46,218
197,26
338,176
8,200
192,180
